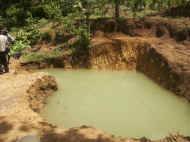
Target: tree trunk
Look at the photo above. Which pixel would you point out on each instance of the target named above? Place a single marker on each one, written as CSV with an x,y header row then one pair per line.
x,y
117,9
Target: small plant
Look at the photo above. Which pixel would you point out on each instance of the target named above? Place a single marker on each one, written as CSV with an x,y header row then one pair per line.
x,y
33,34
80,29
24,39
18,47
83,36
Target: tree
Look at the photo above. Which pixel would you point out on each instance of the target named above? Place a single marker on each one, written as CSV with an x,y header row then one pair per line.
x,y
117,8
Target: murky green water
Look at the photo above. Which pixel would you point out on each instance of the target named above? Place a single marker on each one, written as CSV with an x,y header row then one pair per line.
x,y
123,103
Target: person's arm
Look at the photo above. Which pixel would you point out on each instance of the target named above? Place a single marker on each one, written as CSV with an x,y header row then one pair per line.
x,y
11,39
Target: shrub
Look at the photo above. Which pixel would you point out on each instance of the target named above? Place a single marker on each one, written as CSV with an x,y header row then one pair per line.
x,y
46,37
83,37
52,10
67,7
24,39
78,29
18,47
33,34
16,16
40,56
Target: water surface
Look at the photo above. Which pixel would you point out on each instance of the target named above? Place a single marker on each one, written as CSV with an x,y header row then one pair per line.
x,y
123,103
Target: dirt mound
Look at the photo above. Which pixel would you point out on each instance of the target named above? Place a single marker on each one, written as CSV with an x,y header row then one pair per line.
x,y
13,130
157,26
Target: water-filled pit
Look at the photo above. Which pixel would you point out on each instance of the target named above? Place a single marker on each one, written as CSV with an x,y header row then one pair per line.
x,y
123,103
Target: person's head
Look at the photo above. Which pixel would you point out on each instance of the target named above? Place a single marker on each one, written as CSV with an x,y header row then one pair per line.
x,y
4,31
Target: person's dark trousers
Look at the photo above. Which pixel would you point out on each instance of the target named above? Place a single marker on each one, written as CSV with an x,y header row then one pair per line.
x,y
1,63
4,61
7,55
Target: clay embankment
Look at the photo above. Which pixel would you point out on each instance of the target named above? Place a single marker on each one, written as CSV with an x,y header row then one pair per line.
x,y
159,27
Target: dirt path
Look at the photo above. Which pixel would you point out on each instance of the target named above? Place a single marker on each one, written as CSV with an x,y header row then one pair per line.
x,y
14,94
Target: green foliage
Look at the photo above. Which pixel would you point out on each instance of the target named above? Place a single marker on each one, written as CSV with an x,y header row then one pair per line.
x,y
18,47
80,29
29,35
16,12
40,56
21,42
33,34
52,10
67,7
25,38
46,37
16,16
29,15
83,36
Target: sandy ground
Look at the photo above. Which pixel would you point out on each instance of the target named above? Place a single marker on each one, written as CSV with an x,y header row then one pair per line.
x,y
13,94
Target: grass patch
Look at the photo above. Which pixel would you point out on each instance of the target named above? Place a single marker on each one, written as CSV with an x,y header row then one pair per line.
x,y
40,56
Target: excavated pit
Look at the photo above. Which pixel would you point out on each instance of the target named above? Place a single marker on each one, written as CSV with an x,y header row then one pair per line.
x,y
165,63
154,52
122,103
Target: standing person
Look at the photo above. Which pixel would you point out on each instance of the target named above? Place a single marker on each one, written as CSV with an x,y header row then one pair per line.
x,y
5,40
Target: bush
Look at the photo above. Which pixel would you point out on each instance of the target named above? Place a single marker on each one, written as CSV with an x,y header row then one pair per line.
x,y
24,39
40,56
46,37
33,34
18,47
52,10
81,31
16,16
67,7
83,37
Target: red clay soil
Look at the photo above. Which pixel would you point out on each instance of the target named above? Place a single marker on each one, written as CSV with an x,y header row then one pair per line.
x,y
178,29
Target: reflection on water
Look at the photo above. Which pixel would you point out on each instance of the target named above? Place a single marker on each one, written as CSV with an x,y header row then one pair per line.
x,y
124,103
